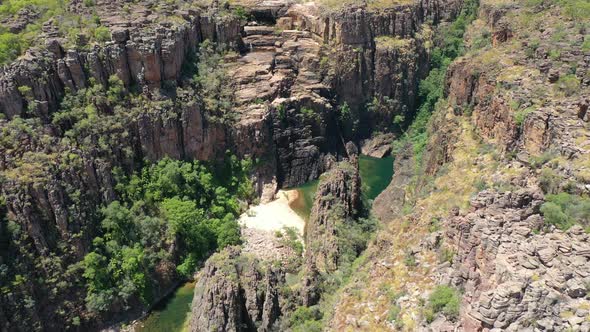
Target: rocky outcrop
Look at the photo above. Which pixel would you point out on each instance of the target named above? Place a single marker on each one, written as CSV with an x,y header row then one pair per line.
x,y
514,277
151,57
233,293
505,126
337,202
491,113
19,21
336,205
376,53
390,202
379,146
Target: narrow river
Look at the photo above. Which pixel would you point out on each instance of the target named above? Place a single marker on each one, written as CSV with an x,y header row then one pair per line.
x,y
172,315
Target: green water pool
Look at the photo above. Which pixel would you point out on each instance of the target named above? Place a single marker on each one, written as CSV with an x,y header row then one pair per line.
x,y
171,315
375,174
302,205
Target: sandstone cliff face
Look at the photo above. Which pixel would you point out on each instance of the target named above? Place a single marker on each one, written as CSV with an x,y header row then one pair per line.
x,y
375,53
336,205
508,134
337,201
496,95
513,277
331,238
390,201
153,56
234,294
136,57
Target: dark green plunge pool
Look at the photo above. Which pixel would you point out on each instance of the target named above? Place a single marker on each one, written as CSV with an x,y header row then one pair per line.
x,y
375,174
172,313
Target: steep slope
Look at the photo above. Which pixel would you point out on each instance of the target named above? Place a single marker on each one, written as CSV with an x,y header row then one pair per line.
x,y
482,229
332,227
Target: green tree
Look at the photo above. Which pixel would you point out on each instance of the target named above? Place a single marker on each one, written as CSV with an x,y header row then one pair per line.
x,y
213,81
10,47
118,223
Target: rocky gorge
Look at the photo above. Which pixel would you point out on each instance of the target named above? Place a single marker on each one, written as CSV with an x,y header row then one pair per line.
x,y
483,105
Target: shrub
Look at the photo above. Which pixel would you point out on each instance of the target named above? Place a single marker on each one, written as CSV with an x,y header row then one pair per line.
x,y
102,34
309,114
428,314
482,40
394,312
446,300
282,112
555,216
26,91
241,13
291,240
434,225
480,185
309,326
538,161
549,181
532,47
568,84
306,319
579,10
410,260
554,54
324,64
213,81
520,115
446,255
350,120
565,210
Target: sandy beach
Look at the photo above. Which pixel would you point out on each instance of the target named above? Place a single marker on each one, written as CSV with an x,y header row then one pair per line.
x,y
274,215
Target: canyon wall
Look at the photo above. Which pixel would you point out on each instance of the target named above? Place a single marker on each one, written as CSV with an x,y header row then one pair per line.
x,y
288,85
470,216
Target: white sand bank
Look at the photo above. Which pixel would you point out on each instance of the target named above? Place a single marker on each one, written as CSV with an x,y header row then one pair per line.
x,y
274,215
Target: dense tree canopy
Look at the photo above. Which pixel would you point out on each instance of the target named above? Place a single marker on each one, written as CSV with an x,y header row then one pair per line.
x,y
170,204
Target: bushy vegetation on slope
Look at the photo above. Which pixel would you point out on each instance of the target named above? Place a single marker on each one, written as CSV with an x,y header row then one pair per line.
x,y
12,44
564,210
449,46
70,25
443,299
168,216
171,203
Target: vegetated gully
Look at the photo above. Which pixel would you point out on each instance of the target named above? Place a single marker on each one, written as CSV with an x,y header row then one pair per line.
x,y
172,313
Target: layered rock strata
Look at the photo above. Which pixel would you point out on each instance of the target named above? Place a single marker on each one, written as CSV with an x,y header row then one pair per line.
x,y
234,293
513,276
